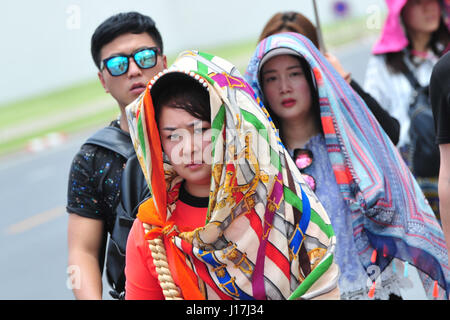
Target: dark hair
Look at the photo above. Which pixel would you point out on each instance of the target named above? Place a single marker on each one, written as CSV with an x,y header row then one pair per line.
x,y
395,60
183,93
119,24
307,71
292,21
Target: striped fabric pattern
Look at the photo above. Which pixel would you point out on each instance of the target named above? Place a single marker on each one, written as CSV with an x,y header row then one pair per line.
x,y
389,211
266,235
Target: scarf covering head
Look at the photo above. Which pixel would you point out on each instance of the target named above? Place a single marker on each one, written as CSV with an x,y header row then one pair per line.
x,y
389,211
393,37
266,235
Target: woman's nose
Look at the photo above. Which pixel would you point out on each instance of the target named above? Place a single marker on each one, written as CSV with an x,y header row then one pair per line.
x,y
285,86
192,145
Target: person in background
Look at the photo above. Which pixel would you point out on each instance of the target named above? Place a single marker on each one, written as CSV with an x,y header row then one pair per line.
x,y
415,35
230,216
292,21
128,50
356,172
440,103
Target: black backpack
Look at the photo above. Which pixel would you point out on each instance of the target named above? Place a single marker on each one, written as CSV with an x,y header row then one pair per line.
x,y
134,190
424,152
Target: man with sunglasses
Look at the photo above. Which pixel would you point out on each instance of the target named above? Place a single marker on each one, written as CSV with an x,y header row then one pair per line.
x,y
128,50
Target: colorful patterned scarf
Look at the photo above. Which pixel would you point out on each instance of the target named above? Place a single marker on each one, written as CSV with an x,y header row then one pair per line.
x,y
266,235
389,211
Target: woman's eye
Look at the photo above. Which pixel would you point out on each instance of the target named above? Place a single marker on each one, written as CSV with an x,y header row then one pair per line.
x,y
173,136
270,79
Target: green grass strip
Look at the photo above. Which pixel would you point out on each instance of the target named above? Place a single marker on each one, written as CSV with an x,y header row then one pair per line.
x,y
44,105
77,125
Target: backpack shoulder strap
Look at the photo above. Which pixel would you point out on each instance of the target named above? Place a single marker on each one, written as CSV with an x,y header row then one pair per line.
x,y
113,139
412,79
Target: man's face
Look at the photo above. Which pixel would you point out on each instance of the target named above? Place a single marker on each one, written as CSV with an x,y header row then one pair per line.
x,y
128,86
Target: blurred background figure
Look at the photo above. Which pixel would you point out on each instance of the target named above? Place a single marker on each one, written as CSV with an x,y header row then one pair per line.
x,y
415,34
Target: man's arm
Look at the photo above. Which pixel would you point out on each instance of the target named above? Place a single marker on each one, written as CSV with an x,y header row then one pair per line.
x,y
85,240
444,191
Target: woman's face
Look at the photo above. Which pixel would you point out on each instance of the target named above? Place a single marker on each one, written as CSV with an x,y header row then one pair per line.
x,y
186,140
285,87
422,15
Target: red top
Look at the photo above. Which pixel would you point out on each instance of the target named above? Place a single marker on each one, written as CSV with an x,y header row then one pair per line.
x,y
142,280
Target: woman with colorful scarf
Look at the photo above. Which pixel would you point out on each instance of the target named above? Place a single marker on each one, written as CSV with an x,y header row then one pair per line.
x,y
414,36
389,242
230,215
292,21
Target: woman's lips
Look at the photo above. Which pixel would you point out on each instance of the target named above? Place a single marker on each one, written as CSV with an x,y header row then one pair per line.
x,y
194,166
287,103
137,88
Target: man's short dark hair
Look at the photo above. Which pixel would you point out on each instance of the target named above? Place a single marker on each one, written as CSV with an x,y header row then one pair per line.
x,y
119,24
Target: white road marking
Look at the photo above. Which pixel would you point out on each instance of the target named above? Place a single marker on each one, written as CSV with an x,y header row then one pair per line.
x,y
35,220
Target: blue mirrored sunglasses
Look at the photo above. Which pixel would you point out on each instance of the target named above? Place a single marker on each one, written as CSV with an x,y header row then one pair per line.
x,y
117,65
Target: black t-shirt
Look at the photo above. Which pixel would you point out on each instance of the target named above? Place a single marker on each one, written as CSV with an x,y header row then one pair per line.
x,y
94,183
193,201
440,98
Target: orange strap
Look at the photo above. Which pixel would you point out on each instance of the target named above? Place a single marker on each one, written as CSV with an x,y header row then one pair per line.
x,y
183,276
156,154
